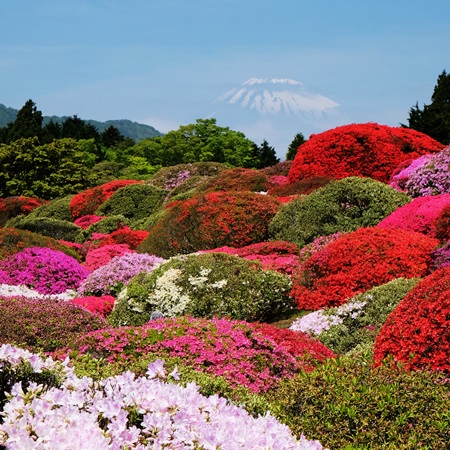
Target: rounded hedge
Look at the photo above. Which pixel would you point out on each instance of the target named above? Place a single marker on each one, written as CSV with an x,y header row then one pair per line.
x,y
358,261
57,209
417,332
204,285
367,150
209,221
342,205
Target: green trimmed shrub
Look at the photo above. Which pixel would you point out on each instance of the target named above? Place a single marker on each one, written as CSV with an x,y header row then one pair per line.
x,y
204,285
342,205
56,209
134,201
55,228
346,404
105,226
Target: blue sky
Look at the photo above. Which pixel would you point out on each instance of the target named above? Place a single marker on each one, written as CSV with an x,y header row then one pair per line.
x,y
164,62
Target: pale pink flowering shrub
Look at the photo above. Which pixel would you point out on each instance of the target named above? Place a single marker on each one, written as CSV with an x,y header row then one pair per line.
x,y
100,256
402,173
44,270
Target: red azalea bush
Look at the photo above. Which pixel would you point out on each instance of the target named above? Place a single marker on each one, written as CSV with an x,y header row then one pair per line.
x,y
101,306
86,221
442,225
13,240
281,168
301,187
242,354
419,215
274,255
417,332
124,235
14,206
100,256
359,261
367,150
86,202
209,221
287,199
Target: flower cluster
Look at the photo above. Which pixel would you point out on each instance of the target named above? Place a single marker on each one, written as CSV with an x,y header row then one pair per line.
x,y
102,306
43,269
110,278
86,202
431,177
402,174
417,332
317,245
86,221
123,236
359,261
368,150
244,354
129,412
419,215
13,206
101,256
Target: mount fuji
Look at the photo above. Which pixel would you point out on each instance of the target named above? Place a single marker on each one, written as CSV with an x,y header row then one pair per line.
x,y
275,110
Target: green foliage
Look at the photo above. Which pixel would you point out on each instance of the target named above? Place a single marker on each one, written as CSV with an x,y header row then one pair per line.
x,y
27,124
134,201
55,228
202,141
266,155
298,140
46,171
341,205
362,330
204,285
57,209
346,403
434,119
138,168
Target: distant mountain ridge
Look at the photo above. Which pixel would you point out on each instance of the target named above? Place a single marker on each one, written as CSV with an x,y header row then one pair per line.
x,y
128,128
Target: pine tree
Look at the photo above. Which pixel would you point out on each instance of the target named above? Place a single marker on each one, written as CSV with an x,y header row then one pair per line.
x,y
298,140
28,123
265,155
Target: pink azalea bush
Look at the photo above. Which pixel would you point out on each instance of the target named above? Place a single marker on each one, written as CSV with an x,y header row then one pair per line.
x,y
109,279
402,174
97,257
236,350
43,269
88,220
419,215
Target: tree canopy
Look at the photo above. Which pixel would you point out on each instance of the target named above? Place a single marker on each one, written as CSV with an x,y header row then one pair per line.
x,y
298,140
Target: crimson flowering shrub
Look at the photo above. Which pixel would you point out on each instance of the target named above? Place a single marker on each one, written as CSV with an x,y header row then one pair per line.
x,y
123,236
44,324
274,255
209,221
287,199
14,206
358,261
417,332
13,240
45,270
431,177
419,215
101,306
86,202
97,257
301,187
242,354
86,221
112,276
367,150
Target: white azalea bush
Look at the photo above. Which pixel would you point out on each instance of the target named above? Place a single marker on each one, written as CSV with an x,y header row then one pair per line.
x,y
129,412
204,285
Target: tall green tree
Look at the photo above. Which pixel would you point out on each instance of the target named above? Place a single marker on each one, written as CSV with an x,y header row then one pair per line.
x,y
265,155
28,123
298,140
434,119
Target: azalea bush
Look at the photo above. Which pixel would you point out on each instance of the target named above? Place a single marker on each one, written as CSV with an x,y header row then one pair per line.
x,y
356,323
417,332
123,236
58,208
317,245
14,206
109,278
43,269
282,168
402,173
87,201
301,187
358,261
210,221
343,205
250,355
99,305
349,404
274,255
419,215
442,225
44,324
98,257
88,220
129,412
204,285
366,150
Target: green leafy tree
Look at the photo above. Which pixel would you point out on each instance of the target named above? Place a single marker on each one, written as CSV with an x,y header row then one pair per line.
x,y
266,156
111,137
298,140
28,123
199,142
434,119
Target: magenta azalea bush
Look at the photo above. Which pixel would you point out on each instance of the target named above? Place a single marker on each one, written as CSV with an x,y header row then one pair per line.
x,y
44,270
97,257
110,278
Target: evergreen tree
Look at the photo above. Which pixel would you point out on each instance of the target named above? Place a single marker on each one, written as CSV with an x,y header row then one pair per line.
x,y
434,119
51,131
265,155
28,123
111,137
298,140
75,128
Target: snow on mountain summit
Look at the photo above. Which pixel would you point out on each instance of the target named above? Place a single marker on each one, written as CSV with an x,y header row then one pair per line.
x,y
278,95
